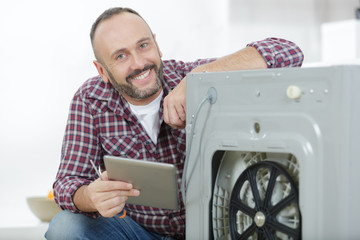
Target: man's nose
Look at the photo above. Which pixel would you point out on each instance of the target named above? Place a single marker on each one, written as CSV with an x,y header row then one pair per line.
x,y
137,61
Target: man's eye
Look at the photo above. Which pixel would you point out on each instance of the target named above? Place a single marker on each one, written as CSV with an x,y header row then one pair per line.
x,y
121,56
143,45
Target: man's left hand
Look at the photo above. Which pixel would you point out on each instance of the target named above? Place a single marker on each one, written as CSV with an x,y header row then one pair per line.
x,y
175,106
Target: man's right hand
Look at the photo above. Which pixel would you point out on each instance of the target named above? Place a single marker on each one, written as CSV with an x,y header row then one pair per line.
x,y
105,196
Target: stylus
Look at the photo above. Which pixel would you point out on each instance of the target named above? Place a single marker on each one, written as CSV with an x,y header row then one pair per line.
x,y
97,171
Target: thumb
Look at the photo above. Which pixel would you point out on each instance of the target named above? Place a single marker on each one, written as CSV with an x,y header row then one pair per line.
x,y
105,176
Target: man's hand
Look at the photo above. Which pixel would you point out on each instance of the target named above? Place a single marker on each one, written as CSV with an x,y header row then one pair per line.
x,y
175,102
106,197
175,106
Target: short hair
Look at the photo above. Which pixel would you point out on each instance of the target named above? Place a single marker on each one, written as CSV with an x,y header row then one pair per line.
x,y
108,14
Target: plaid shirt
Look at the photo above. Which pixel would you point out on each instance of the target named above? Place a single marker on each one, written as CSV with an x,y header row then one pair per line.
x,y
100,122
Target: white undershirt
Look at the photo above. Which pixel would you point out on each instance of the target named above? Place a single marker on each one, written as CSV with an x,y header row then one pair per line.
x,y
148,115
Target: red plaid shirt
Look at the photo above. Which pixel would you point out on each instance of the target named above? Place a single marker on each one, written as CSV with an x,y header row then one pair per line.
x,y
100,122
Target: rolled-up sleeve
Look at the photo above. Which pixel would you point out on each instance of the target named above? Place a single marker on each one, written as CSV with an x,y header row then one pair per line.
x,y
279,52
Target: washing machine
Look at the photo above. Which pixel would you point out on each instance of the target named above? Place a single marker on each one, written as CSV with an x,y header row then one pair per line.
x,y
273,154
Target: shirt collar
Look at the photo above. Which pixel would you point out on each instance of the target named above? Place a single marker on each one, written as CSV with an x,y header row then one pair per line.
x,y
104,91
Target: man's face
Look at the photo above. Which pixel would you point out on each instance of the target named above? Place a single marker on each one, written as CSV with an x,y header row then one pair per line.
x,y
129,57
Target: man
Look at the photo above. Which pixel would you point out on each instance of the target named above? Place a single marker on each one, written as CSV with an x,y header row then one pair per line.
x,y
135,108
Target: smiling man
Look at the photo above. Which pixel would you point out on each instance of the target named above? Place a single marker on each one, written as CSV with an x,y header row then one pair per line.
x,y
135,108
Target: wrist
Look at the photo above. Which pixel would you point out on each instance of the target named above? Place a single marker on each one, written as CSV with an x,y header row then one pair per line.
x,y
82,199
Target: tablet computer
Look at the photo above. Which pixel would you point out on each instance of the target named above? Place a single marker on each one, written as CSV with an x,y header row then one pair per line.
x,y
156,181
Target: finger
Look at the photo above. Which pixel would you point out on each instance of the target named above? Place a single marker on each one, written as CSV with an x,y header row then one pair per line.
x,y
175,109
180,107
105,176
180,100
108,201
176,123
115,204
170,114
165,111
122,193
115,201
107,186
115,184
181,115
181,111
134,193
178,111
119,197
101,191
112,211
173,116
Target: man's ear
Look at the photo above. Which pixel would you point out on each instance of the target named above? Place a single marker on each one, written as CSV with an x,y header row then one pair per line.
x,y
160,53
101,70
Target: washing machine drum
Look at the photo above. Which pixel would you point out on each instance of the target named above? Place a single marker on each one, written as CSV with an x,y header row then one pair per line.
x,y
256,197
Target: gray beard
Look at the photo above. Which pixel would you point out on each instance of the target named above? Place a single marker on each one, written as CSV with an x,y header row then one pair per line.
x,y
130,90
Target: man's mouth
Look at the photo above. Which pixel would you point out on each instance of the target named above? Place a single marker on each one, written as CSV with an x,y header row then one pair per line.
x,y
142,76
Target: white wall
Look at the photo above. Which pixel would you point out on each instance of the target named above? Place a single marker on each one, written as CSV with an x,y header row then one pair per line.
x,y
45,55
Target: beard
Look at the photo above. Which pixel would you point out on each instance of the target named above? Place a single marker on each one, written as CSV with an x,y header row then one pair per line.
x,y
130,90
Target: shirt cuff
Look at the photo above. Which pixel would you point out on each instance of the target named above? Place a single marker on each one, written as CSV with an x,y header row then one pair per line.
x,y
279,52
63,195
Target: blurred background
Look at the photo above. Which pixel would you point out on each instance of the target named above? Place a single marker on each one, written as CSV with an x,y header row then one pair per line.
x,y
45,55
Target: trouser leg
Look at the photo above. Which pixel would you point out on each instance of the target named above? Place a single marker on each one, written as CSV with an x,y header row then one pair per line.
x,y
68,225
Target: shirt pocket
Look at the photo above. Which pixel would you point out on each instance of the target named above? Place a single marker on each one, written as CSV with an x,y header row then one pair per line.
x,y
125,146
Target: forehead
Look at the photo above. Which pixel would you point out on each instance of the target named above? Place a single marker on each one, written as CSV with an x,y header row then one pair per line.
x,y
120,31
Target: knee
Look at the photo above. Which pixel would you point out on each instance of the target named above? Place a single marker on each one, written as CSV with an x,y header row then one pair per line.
x,y
66,225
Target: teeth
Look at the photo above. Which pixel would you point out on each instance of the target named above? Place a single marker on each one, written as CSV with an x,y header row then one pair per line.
x,y
141,77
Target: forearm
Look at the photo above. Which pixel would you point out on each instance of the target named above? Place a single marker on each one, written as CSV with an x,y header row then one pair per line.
x,y
247,58
267,53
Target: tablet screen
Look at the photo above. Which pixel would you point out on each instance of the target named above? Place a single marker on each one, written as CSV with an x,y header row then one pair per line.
x,y
156,181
